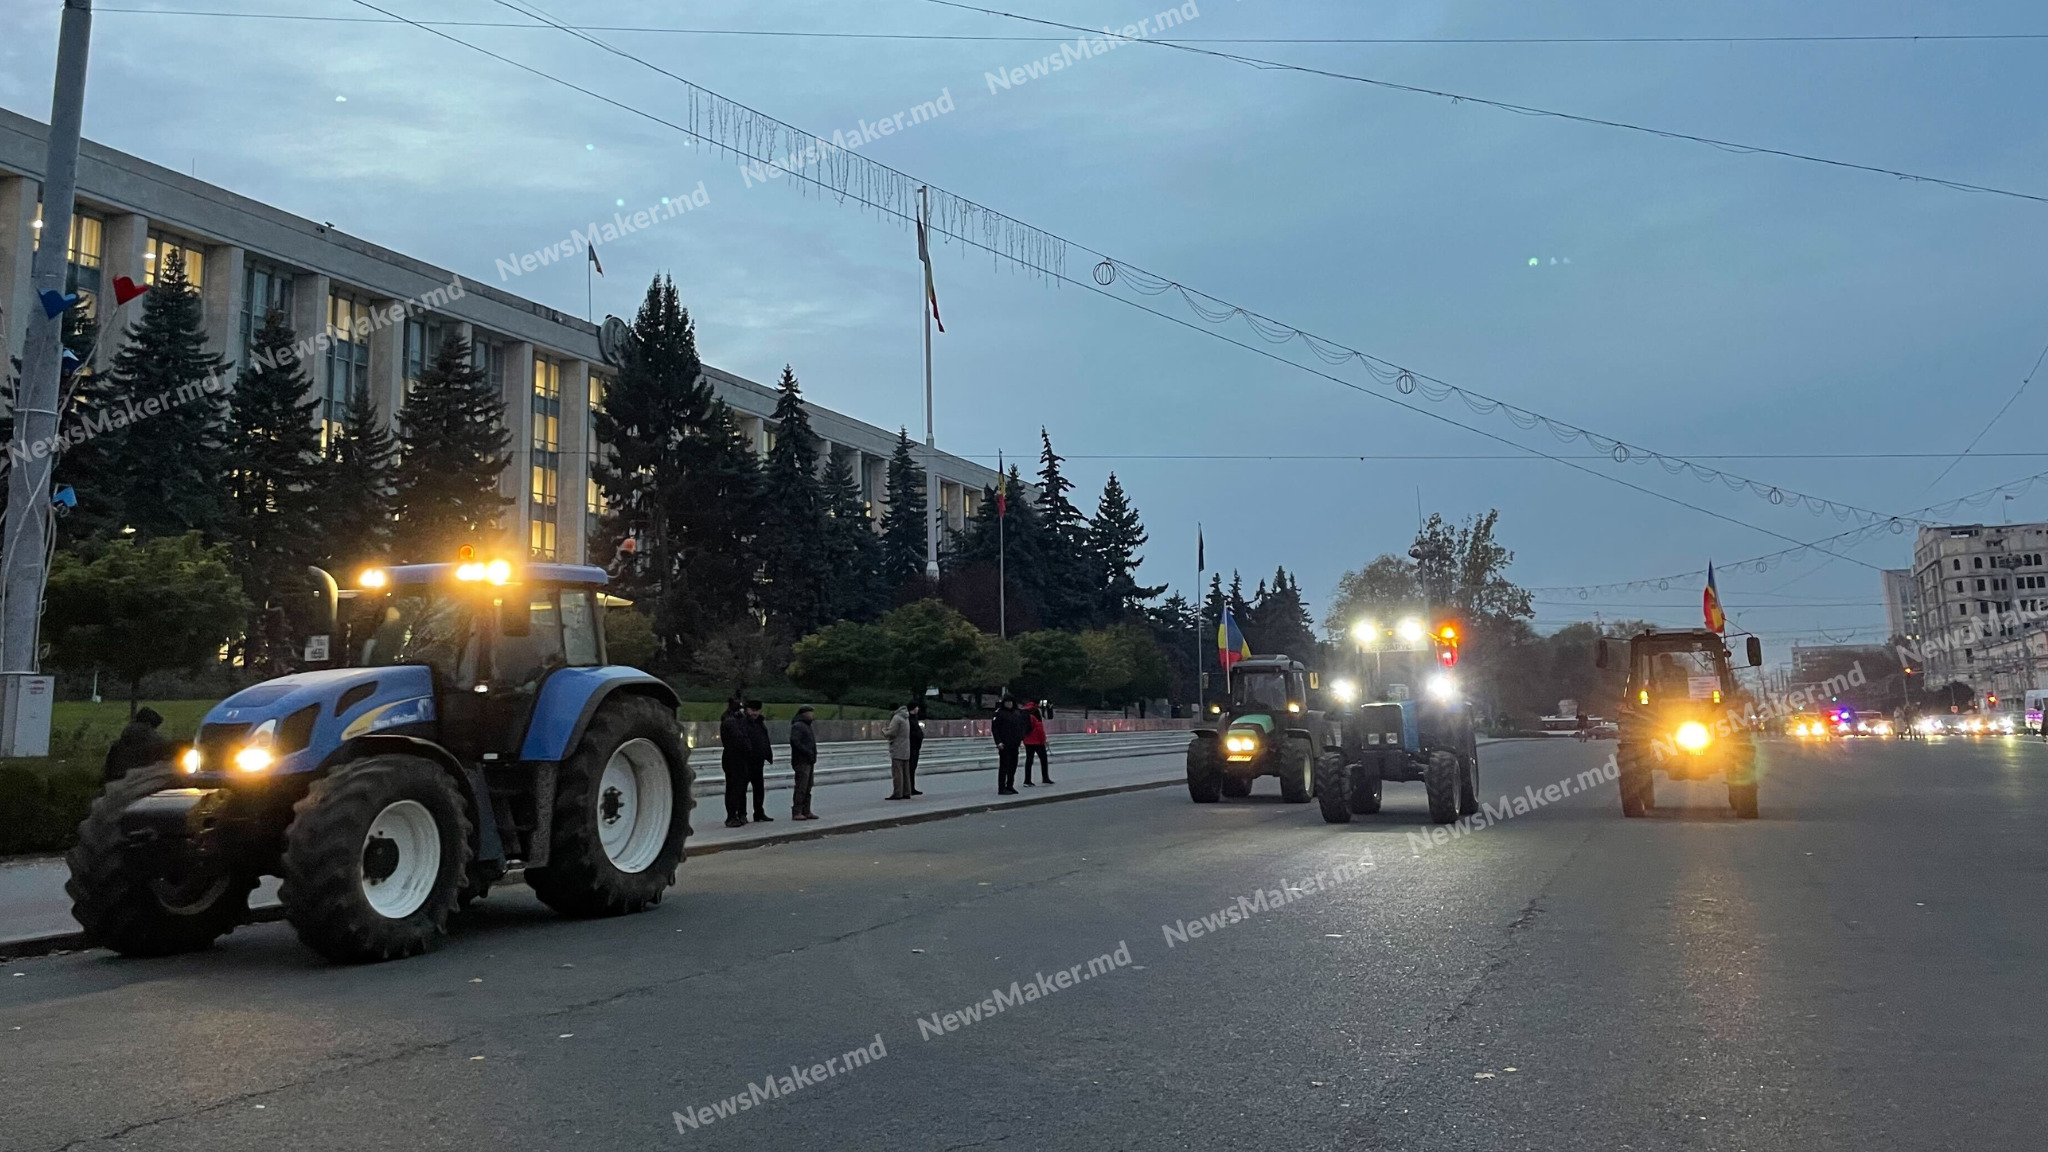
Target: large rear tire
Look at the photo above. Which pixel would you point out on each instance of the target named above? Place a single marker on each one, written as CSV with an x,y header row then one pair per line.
x,y
1205,770
1638,790
1468,785
374,859
1298,771
1333,788
1366,788
127,906
1441,780
1742,798
622,812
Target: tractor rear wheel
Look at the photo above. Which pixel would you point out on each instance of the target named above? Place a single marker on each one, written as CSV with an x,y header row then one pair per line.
x,y
1298,771
374,859
1638,790
137,910
1468,785
1205,771
1441,779
622,811
1366,787
1333,788
1237,787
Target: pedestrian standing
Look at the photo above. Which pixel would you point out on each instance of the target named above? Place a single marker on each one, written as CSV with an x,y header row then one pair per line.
x,y
140,745
761,753
735,747
803,761
1034,745
1009,726
897,733
916,745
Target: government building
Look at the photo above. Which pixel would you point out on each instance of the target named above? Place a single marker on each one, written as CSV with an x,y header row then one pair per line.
x,y
246,258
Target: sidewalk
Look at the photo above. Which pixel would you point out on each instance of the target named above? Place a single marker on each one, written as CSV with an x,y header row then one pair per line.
x,y
35,914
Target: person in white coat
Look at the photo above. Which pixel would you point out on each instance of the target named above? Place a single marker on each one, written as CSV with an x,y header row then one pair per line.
x,y
897,732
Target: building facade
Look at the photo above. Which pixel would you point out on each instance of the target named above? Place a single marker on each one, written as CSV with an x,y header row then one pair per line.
x,y
1982,604
1901,607
384,314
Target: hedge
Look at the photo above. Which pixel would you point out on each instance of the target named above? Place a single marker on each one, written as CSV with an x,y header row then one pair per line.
x,y
41,811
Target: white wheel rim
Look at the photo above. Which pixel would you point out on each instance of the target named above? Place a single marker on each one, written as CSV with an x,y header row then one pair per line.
x,y
407,827
635,801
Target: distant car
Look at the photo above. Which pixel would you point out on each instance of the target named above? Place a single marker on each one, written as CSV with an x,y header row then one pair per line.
x,y
1606,730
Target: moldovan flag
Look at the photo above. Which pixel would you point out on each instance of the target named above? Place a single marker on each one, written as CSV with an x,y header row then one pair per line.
x,y
1230,644
931,290
592,250
1717,620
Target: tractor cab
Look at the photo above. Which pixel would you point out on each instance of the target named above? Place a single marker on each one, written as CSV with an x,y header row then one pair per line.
x,y
1681,715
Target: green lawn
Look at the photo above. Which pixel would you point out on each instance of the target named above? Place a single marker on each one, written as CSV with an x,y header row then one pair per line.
x,y
81,730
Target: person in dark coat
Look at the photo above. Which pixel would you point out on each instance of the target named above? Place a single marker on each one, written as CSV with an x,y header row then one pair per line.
x,y
916,745
803,761
1034,746
1009,727
735,750
760,754
140,745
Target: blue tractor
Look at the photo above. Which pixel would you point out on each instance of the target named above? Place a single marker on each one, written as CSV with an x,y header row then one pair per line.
x,y
1405,718
469,723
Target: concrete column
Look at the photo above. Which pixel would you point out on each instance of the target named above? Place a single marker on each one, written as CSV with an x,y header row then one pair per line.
x,y
222,297
18,196
573,497
876,469
387,358
518,483
125,238
309,322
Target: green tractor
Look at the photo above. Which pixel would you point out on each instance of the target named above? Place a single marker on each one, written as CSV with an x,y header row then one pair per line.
x,y
1405,719
1264,726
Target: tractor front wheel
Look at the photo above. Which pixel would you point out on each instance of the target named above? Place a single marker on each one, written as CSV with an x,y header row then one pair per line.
x,y
1333,788
1298,772
1468,785
374,859
1237,787
622,811
136,909
1441,779
1366,787
1205,771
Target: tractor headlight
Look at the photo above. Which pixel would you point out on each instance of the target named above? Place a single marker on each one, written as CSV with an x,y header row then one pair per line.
x,y
1344,690
1240,744
255,756
1693,736
1443,686
189,761
1410,631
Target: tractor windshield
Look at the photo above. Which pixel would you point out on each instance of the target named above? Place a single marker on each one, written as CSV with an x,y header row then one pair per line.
x,y
418,628
1693,669
1256,690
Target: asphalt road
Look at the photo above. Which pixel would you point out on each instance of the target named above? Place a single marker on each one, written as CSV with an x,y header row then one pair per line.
x,y
1860,969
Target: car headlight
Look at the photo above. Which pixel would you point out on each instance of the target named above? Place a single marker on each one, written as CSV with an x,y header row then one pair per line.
x,y
1693,736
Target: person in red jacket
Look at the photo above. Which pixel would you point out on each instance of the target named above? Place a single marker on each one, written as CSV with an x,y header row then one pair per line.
x,y
1034,745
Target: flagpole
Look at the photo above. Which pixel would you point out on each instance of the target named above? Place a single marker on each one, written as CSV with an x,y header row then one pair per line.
x,y
931,483
1201,619
589,295
1002,550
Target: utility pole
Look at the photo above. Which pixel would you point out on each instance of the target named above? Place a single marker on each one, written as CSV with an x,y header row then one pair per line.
x,y
1002,550
24,550
931,449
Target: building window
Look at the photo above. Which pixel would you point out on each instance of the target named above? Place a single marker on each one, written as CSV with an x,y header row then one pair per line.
x,y
423,336
593,500
547,456
161,245
266,288
82,258
1976,561
345,372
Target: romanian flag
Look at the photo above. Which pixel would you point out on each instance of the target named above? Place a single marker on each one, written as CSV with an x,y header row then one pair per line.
x,y
1717,620
1230,644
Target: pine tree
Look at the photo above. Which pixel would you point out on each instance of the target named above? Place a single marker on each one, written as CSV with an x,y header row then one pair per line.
x,y
793,520
903,521
998,548
1283,620
853,553
163,457
1114,537
650,413
355,504
452,441
715,519
1070,584
274,479
1212,619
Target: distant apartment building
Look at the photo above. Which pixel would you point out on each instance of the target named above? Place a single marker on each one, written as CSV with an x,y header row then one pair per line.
x,y
1981,593
1901,607
247,259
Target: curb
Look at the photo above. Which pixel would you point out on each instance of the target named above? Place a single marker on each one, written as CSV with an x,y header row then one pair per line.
x,y
30,946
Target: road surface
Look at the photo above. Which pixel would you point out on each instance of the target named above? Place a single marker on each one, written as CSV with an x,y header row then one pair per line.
x,y
1860,969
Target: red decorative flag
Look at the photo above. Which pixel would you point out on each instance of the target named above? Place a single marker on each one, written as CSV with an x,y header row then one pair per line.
x,y
1717,620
